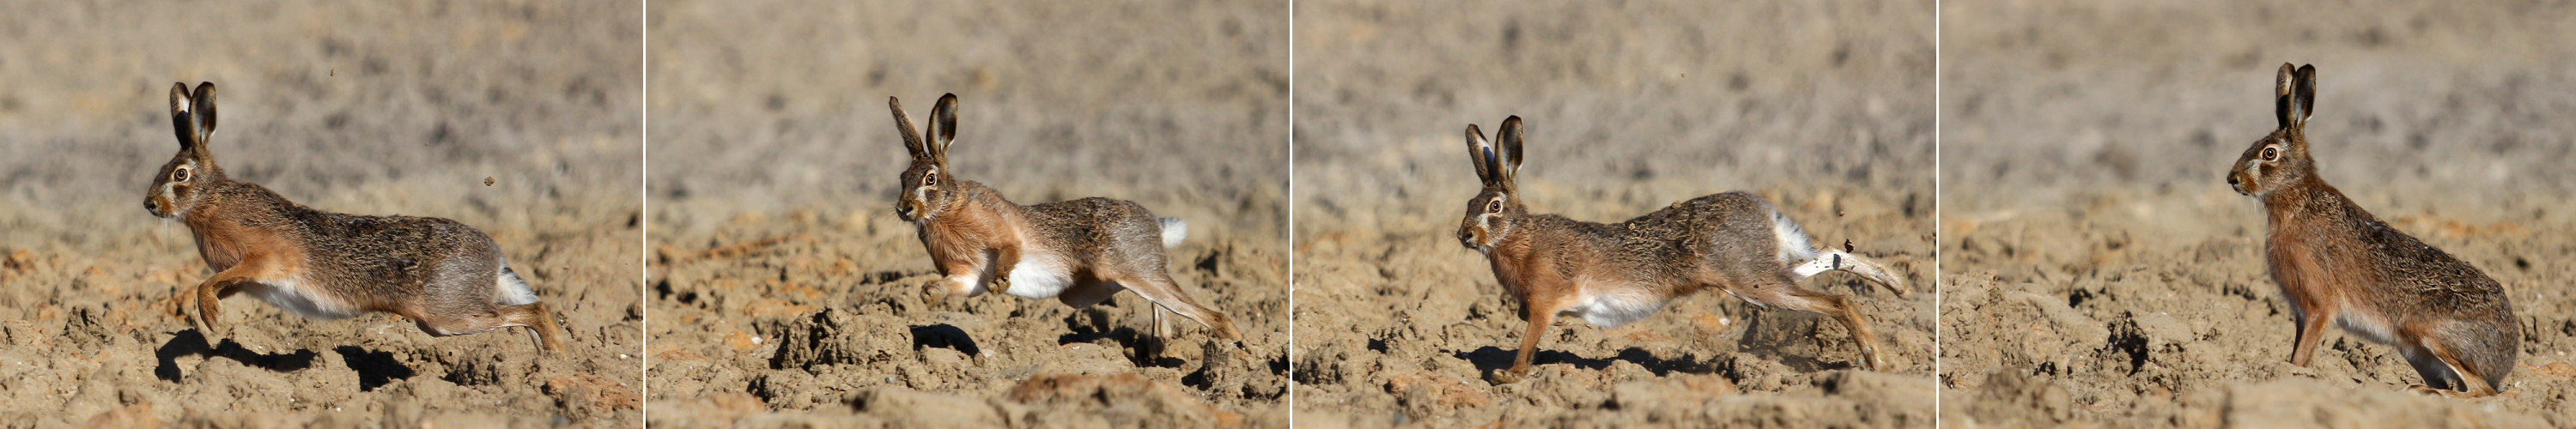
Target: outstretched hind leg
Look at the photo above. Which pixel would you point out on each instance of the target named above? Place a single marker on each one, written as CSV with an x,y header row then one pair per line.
x,y
1836,260
533,316
1158,287
1779,292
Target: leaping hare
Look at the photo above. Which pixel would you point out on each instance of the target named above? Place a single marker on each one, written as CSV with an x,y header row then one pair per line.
x,y
2337,263
1612,274
443,275
1079,252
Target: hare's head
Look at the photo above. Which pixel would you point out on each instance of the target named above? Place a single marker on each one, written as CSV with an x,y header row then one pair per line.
x,y
2281,159
927,188
181,183
1491,214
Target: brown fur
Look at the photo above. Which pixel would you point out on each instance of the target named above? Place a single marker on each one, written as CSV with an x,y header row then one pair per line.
x,y
1726,241
975,237
439,273
2336,263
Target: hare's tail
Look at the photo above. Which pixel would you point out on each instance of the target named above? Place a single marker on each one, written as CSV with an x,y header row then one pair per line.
x,y
511,290
1797,248
1173,231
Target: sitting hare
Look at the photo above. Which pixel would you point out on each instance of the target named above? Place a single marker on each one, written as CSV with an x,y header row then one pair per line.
x,y
2337,263
449,278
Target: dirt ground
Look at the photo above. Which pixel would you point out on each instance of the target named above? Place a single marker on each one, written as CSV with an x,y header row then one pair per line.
x,y
2100,272
1825,109
368,108
786,292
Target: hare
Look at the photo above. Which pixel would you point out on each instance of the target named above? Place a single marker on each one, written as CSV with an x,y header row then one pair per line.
x,y
1612,274
443,275
1079,252
2337,263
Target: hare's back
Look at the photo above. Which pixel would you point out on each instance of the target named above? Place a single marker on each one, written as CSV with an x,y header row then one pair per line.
x,y
1094,227
2421,277
401,251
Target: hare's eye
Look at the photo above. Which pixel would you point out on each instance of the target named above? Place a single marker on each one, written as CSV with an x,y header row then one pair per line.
x,y
930,180
1493,207
179,175
2269,154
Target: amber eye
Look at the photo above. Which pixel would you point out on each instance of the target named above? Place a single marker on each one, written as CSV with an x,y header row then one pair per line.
x,y
1493,206
930,180
179,175
2269,154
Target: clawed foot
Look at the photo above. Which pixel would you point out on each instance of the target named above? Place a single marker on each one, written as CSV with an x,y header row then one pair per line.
x,y
1509,376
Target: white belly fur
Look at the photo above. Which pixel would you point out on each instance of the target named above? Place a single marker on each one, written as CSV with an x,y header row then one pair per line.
x,y
1039,277
1613,310
292,295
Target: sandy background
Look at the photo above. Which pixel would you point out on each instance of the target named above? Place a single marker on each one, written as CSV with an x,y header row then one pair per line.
x,y
1823,108
2101,273
371,108
787,292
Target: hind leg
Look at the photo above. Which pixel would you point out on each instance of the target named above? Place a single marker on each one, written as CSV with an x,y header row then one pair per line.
x,y
1779,292
1157,286
533,316
2444,370
1086,293
1836,260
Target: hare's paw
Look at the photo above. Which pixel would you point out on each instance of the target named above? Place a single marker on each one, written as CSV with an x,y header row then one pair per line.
x,y
1508,376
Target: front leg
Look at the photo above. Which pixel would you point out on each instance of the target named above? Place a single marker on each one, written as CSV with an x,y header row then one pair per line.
x,y
963,277
1541,316
2312,328
209,294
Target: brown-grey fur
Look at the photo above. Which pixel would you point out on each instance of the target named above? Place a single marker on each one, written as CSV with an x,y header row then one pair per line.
x,y
1730,241
976,237
438,272
2334,260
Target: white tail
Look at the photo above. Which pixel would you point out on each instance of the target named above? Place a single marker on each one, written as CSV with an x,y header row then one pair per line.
x,y
1173,231
1795,247
510,290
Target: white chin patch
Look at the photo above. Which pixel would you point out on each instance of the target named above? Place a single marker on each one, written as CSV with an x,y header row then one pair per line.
x,y
1039,277
294,297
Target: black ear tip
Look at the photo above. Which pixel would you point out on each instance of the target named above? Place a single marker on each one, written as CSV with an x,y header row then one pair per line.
x,y
1472,131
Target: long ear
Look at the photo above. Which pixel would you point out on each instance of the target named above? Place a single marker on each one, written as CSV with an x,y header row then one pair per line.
x,y
1509,167
2306,95
911,136
181,120
943,126
2284,108
1480,152
205,113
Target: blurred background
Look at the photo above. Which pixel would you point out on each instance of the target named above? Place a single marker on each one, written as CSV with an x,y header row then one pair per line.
x,y
1824,108
787,289
366,108
2099,268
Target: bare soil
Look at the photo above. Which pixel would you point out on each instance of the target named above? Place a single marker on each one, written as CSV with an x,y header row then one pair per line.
x,y
1822,108
367,108
786,292
2100,271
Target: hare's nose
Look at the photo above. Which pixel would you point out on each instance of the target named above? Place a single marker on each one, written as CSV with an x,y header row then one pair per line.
x,y
2231,178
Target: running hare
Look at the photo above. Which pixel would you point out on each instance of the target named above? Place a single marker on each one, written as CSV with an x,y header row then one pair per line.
x,y
1612,274
447,277
2337,263
1079,252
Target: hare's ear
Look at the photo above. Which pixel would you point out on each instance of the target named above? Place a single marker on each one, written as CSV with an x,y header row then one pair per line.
x,y
1509,166
2285,108
1480,153
911,136
2306,95
181,120
205,112
943,125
